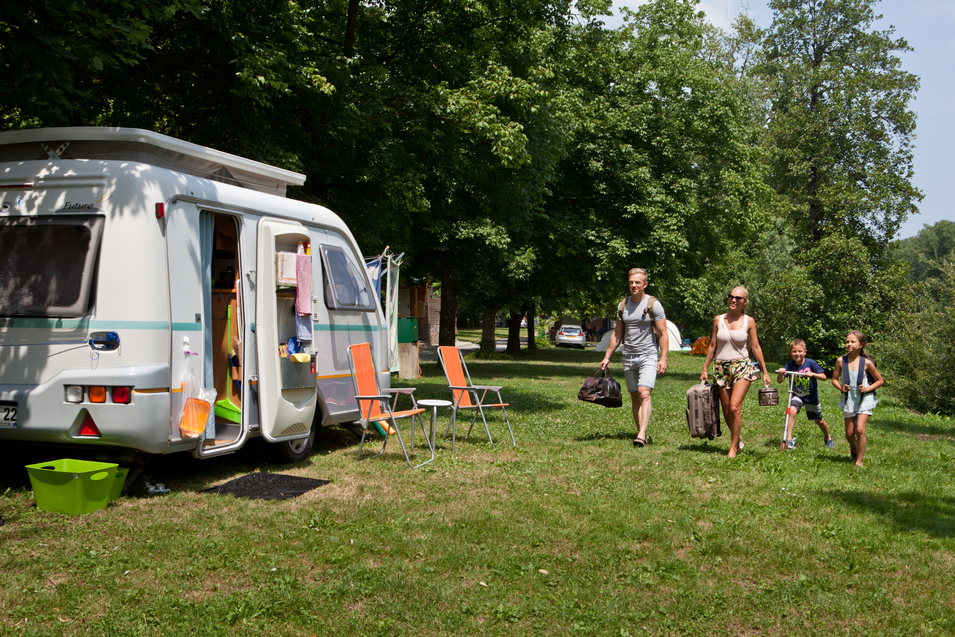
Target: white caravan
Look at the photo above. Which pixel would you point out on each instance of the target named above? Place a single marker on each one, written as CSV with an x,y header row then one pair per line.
x,y
128,258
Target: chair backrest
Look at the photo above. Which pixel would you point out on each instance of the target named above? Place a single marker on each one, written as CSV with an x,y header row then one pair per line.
x,y
366,379
456,373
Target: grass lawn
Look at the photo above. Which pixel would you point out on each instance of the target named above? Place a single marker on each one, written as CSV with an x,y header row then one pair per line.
x,y
574,531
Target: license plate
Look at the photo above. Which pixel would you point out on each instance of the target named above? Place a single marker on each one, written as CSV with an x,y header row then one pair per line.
x,y
8,414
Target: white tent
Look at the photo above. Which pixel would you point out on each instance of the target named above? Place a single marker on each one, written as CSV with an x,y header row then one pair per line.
x,y
672,331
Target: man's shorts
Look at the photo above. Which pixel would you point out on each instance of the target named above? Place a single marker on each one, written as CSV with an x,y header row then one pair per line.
x,y
813,412
728,372
640,371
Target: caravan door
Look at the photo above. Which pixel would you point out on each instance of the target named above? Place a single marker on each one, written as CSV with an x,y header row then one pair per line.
x,y
287,393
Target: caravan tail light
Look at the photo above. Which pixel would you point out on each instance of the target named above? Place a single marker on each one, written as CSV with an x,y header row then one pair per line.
x,y
121,395
74,393
89,428
97,394
160,210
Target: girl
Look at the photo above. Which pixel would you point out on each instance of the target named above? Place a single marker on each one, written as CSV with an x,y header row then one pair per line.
x,y
734,369
858,399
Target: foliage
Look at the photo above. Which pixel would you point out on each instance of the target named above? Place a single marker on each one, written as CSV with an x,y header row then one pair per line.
x,y
841,129
927,251
660,172
49,49
917,347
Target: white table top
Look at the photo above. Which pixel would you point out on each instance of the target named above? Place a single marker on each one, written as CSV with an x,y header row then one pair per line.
x,y
427,402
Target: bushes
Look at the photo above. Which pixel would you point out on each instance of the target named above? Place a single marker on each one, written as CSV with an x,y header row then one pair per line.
x,y
916,351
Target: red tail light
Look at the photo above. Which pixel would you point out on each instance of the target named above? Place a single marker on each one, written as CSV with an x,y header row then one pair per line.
x,y
89,428
121,395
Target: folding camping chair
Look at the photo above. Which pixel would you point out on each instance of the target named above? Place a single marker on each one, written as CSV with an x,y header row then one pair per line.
x,y
375,407
462,389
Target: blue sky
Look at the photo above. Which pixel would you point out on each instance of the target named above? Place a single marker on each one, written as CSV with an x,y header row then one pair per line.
x,y
929,28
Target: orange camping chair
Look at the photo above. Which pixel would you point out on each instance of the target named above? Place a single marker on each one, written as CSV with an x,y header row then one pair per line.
x,y
375,408
468,395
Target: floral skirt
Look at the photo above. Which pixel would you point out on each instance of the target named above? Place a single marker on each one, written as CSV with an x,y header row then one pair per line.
x,y
728,372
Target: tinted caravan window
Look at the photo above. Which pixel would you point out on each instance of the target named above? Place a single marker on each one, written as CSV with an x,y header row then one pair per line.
x,y
48,265
345,286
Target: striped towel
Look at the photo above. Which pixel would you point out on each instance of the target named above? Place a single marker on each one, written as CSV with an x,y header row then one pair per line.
x,y
303,276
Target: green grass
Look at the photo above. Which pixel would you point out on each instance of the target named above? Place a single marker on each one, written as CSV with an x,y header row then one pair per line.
x,y
574,531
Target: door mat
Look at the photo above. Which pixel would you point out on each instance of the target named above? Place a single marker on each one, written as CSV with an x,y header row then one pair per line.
x,y
267,486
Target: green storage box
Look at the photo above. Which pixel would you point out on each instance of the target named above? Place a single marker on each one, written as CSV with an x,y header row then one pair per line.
x,y
73,487
407,330
118,481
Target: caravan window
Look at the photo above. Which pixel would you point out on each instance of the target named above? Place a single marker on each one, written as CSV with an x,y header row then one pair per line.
x,y
345,286
48,265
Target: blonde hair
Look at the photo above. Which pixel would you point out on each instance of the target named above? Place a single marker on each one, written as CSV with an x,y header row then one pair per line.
x,y
795,342
646,277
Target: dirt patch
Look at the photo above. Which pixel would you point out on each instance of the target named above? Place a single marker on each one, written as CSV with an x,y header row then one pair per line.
x,y
933,437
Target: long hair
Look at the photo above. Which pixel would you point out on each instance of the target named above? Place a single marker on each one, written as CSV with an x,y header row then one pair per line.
x,y
862,340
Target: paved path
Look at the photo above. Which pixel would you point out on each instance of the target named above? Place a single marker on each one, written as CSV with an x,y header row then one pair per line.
x,y
430,352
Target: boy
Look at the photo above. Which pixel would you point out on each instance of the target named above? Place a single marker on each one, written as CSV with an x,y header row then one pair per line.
x,y
805,392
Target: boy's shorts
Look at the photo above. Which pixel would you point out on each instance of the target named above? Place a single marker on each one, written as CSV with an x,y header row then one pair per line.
x,y
640,371
728,372
813,412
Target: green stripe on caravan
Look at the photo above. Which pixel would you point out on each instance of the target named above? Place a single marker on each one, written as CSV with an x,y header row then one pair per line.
x,y
345,328
87,324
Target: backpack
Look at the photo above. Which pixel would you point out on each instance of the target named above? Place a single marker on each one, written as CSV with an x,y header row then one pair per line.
x,y
845,371
651,300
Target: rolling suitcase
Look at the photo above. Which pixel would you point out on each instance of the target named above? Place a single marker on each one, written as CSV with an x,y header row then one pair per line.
x,y
703,411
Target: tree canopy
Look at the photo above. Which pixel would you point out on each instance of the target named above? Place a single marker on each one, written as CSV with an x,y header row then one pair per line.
x,y
522,154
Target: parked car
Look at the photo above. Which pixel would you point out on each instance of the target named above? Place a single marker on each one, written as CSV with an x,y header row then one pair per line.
x,y
571,335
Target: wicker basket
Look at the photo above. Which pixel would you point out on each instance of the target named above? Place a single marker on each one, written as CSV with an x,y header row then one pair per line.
x,y
768,397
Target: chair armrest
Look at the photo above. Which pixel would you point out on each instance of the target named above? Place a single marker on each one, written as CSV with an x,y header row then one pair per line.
x,y
464,388
489,387
372,397
401,390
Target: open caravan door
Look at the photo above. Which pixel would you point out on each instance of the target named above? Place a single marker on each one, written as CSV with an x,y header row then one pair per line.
x,y
287,391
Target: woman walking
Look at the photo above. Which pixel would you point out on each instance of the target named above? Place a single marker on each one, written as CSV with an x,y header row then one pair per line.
x,y
734,369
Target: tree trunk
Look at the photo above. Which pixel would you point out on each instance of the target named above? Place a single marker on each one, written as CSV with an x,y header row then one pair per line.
x,y
449,309
488,342
513,333
348,49
530,312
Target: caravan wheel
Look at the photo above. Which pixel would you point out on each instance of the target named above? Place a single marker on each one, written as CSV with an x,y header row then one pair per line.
x,y
295,450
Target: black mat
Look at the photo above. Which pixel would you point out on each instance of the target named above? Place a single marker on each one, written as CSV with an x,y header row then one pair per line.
x,y
267,486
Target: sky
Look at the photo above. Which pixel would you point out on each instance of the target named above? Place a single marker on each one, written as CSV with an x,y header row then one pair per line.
x,y
929,28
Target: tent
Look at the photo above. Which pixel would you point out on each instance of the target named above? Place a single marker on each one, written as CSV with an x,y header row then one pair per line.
x,y
672,331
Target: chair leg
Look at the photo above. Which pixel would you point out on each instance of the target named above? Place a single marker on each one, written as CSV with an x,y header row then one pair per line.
x,y
486,428
362,443
473,420
452,427
427,438
404,450
511,431
364,433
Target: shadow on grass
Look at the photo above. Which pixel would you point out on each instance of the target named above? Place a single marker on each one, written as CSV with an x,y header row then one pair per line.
x,y
707,447
619,435
924,428
907,511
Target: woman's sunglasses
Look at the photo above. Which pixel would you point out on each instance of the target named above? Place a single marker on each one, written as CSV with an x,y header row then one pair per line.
x,y
740,299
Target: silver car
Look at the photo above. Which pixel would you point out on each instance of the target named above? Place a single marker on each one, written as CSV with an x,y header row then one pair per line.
x,y
571,335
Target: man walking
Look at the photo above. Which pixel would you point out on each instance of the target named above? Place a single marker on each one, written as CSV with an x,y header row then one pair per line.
x,y
641,321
